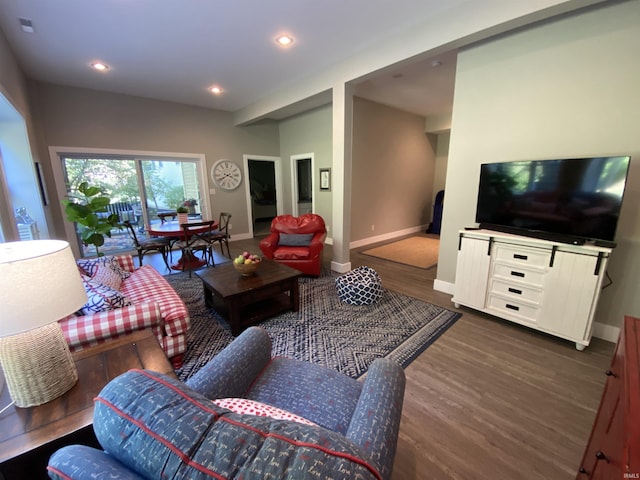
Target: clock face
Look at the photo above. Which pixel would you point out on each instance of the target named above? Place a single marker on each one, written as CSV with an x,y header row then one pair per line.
x,y
226,174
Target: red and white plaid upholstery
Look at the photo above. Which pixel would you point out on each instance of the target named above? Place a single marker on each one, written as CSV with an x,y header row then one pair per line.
x,y
88,330
155,305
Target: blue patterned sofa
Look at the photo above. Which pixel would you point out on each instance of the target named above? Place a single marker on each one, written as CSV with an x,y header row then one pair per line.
x,y
153,427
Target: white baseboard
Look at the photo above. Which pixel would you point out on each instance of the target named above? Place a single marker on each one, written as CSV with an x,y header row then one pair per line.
x,y
387,236
442,286
606,332
341,267
240,236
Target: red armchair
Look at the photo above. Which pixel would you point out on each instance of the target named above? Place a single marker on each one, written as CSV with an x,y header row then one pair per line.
x,y
296,242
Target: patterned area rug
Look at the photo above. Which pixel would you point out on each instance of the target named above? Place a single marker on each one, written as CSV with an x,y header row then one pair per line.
x,y
325,330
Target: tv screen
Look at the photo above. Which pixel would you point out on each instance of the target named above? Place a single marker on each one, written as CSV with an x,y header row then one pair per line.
x,y
568,200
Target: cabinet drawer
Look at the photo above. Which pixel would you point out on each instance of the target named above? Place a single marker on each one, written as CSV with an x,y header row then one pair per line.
x,y
513,308
512,272
516,291
522,255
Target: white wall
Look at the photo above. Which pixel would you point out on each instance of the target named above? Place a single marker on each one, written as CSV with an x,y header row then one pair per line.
x,y
565,89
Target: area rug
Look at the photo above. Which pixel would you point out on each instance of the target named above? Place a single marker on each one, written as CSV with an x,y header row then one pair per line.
x,y
416,251
325,330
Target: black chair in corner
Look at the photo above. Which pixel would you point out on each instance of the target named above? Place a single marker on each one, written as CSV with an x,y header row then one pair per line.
x,y
221,235
160,245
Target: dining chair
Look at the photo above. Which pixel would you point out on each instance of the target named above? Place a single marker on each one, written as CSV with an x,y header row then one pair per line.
x,y
196,238
150,245
221,234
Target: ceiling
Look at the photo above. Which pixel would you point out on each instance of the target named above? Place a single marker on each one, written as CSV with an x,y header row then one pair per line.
x,y
175,50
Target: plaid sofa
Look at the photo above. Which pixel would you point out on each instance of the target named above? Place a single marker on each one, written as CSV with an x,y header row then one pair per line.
x,y
178,431
154,305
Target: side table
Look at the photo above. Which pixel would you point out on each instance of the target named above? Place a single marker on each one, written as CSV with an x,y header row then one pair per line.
x,y
27,434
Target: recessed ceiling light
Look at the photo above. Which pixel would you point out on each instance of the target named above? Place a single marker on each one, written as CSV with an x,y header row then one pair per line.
x,y
284,40
216,90
100,66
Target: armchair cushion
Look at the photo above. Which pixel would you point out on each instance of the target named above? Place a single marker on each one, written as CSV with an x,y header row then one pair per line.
x,y
291,253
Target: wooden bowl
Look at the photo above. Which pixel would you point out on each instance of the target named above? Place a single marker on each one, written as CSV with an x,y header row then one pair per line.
x,y
246,269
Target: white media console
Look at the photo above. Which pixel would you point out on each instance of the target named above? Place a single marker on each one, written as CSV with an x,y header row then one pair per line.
x,y
549,286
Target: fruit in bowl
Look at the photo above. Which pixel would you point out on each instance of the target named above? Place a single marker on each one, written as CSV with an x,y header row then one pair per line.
x,y
247,263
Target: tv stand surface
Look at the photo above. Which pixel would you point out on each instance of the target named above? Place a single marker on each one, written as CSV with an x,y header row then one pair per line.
x,y
550,236
546,285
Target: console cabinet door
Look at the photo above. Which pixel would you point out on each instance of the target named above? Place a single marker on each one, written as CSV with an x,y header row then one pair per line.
x,y
570,295
472,272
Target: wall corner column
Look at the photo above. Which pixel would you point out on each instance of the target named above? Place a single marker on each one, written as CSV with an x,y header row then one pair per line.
x,y
341,189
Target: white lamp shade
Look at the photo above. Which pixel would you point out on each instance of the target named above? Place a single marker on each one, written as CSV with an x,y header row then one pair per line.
x,y
39,284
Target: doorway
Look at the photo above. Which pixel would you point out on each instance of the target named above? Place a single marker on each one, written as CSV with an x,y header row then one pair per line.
x,y
302,184
264,192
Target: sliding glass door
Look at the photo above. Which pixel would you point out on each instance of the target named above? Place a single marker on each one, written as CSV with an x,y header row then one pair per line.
x,y
139,189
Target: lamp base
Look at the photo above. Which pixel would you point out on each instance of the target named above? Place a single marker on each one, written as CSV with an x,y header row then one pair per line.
x,y
37,365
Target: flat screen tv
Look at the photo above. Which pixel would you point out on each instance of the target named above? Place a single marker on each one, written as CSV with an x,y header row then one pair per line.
x,y
574,200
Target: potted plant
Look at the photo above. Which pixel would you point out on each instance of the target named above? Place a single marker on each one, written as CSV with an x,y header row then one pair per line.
x,y
89,211
183,214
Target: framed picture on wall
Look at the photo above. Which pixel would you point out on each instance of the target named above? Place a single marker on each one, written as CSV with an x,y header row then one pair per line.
x,y
325,179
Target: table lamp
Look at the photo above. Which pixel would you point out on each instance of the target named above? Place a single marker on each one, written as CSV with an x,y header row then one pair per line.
x,y
39,285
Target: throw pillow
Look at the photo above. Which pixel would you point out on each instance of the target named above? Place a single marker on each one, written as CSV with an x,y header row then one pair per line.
x,y
101,298
244,406
90,266
107,276
295,239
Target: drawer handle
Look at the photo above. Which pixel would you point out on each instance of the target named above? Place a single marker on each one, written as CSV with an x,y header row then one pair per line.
x,y
517,274
583,471
515,290
520,257
512,307
601,456
609,373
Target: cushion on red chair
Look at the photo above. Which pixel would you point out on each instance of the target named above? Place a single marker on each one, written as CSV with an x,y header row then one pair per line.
x,y
291,253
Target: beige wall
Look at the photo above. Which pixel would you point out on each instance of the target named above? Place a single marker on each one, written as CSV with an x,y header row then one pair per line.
x,y
565,89
73,117
393,171
309,132
13,84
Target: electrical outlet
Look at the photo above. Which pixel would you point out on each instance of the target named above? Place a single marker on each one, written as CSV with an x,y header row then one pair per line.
x,y
373,228
212,191
230,226
328,228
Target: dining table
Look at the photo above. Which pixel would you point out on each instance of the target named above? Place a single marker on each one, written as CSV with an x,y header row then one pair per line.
x,y
173,228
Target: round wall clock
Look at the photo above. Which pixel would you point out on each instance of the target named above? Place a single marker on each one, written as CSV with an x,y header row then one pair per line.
x,y
226,174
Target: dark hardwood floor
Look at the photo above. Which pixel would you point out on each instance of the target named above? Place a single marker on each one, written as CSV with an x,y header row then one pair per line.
x,y
489,399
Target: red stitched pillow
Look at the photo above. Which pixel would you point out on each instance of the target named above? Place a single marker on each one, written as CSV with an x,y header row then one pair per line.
x,y
251,407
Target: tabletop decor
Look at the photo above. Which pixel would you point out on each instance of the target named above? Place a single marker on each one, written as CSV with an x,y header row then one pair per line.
x,y
39,285
247,263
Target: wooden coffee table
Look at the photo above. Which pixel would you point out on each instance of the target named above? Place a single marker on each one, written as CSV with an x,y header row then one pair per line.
x,y
29,435
244,301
